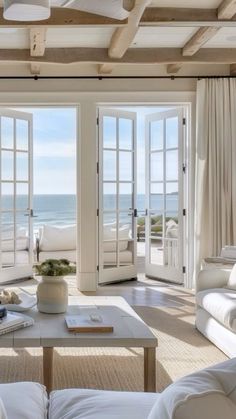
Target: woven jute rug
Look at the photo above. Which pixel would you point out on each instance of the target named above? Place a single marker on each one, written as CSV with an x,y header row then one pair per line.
x,y
182,350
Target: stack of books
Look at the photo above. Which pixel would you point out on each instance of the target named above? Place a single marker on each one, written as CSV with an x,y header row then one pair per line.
x,y
14,321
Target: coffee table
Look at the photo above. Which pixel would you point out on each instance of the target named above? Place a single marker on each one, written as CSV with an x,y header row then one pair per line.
x,y
50,331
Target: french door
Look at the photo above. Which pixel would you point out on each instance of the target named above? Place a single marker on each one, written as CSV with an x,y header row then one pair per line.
x,y
117,195
16,230
164,195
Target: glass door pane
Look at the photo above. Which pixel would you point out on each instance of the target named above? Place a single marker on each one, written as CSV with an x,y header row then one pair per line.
x,y
164,243
117,196
16,245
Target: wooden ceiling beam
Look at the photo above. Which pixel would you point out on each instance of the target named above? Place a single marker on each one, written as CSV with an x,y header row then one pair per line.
x,y
123,37
37,46
132,56
37,41
233,69
173,68
227,9
152,16
106,68
199,39
35,68
185,17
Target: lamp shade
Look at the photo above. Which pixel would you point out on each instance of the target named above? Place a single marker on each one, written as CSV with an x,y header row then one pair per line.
x,y
108,8
26,10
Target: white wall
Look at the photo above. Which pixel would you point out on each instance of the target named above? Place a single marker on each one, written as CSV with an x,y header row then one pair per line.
x,y
79,92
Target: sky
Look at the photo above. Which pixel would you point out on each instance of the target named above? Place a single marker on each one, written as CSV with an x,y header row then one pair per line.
x,y
54,149
142,112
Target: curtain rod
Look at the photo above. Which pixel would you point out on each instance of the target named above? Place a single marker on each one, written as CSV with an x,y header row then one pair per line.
x,y
110,77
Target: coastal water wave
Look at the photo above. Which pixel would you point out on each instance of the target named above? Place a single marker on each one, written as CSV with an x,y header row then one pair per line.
x,y
61,209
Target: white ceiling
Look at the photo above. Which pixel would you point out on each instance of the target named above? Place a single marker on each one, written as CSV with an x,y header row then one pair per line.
x,y
225,37
78,37
158,37
14,38
58,37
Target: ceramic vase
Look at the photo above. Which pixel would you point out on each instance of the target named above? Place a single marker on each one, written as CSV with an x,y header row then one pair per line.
x,y
52,295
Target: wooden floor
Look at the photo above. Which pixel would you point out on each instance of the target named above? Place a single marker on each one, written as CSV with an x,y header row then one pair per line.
x,y
141,292
148,292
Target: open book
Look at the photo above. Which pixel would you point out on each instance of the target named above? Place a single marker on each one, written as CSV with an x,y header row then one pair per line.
x,y
14,321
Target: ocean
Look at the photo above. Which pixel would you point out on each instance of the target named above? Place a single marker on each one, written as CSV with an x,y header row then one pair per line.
x,y
61,209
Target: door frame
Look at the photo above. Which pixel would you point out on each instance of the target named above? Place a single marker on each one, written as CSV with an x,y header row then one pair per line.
x,y
87,98
187,107
167,273
20,271
17,106
118,273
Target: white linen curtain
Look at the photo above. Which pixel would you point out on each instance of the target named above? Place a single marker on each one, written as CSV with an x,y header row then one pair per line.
x,y
215,199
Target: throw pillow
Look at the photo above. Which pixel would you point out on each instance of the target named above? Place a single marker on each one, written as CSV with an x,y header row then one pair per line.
x,y
58,238
207,394
232,279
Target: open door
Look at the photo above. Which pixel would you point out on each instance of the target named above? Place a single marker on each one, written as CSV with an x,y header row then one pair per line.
x,y
164,195
117,195
16,189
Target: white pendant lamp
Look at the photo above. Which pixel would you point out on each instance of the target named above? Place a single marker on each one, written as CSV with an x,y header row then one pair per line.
x,y
109,8
26,10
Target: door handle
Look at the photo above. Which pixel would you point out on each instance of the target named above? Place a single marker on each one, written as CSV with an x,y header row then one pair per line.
x,y
31,214
134,212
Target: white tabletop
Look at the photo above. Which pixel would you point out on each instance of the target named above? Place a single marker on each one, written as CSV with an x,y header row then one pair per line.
x,y
50,330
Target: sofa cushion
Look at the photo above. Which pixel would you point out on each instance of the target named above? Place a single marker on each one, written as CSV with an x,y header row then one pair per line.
x,y
24,400
21,244
232,279
22,257
95,404
109,246
125,257
207,394
221,304
21,233
22,240
3,413
53,238
172,229
228,252
109,232
60,254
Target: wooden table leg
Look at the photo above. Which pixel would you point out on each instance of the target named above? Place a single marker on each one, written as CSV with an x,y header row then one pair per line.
x,y
48,368
150,369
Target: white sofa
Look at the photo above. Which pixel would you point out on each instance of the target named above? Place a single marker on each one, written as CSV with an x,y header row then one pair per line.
x,y
225,260
216,308
22,247
207,394
171,248
56,242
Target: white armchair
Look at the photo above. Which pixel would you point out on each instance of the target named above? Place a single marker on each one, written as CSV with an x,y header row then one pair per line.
x,y
216,309
214,278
